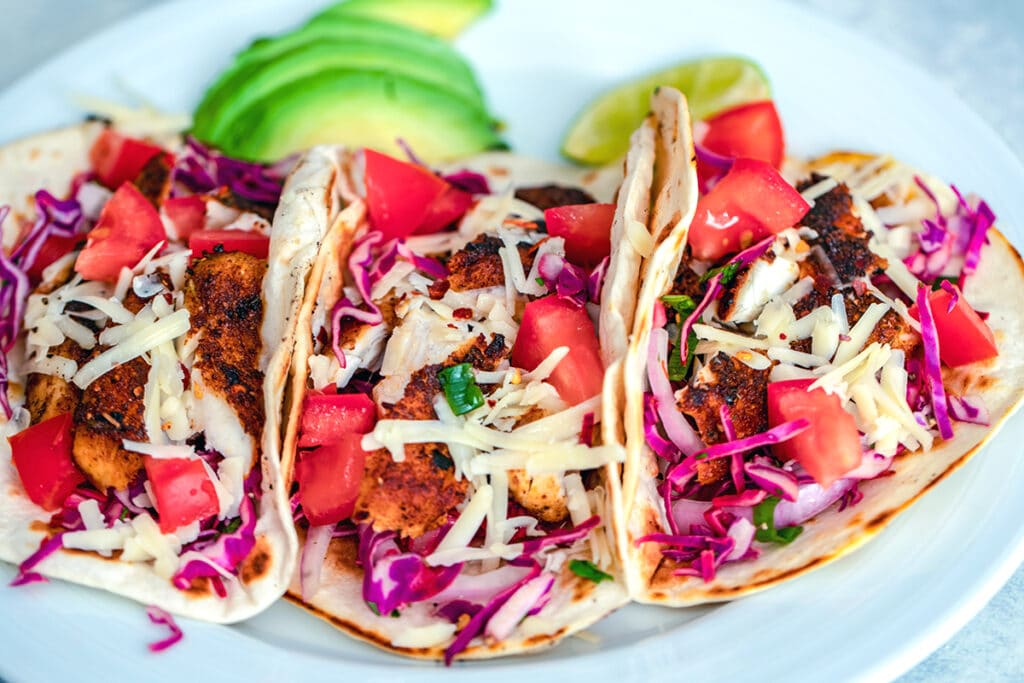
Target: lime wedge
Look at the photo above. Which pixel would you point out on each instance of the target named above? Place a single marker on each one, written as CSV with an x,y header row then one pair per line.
x,y
600,133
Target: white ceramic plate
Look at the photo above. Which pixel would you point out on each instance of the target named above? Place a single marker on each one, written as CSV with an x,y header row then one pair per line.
x,y
869,616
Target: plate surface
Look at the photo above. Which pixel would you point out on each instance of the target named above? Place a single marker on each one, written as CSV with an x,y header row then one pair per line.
x,y
869,616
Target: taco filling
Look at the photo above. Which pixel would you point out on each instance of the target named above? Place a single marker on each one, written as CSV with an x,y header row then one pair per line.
x,y
131,377
803,345
447,448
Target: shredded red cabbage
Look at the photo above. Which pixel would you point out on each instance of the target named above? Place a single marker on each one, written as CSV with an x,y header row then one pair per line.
x,y
657,443
560,536
46,548
587,430
480,619
569,281
163,618
932,364
677,429
225,554
969,409
359,262
774,480
530,597
200,169
393,579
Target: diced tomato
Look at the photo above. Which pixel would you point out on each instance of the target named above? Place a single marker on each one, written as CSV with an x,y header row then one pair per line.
x,y
752,201
749,131
42,456
329,479
831,446
586,229
552,322
52,249
399,195
183,491
118,159
331,418
214,241
188,214
963,336
128,228
449,207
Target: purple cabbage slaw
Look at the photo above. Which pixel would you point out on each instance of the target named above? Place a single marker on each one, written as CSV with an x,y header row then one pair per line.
x,y
162,617
56,217
199,169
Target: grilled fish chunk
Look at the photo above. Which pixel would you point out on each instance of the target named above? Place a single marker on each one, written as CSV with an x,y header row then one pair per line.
x,y
541,495
726,381
552,196
841,234
223,294
48,396
110,411
415,496
744,297
478,264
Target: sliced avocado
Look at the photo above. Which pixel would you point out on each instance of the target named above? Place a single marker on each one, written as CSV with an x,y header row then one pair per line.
x,y
444,18
360,108
252,82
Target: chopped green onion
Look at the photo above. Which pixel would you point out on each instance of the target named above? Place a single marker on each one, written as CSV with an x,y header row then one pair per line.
x,y
460,388
764,521
588,570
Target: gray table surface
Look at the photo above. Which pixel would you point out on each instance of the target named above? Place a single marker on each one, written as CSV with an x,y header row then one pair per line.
x,y
977,48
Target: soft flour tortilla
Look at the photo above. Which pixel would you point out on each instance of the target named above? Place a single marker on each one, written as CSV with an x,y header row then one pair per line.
x,y
307,205
831,534
575,603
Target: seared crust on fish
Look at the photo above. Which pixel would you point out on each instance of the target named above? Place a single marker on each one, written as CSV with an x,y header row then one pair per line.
x,y
415,495
726,380
542,495
552,196
48,396
223,294
154,180
841,233
478,264
110,411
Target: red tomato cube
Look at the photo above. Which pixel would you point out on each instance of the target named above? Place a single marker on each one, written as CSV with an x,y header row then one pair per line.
x,y
329,479
250,242
963,336
399,195
331,418
118,159
830,447
128,228
552,322
586,229
42,456
183,491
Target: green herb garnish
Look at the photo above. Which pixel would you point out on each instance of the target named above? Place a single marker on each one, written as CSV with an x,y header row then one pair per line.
x,y
460,388
680,303
677,369
937,282
728,272
540,281
125,514
764,520
373,607
588,570
232,526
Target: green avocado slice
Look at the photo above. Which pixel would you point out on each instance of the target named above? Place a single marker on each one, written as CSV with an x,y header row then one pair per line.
x,y
360,108
444,18
252,82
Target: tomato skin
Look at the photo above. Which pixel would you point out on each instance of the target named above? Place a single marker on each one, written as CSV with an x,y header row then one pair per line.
x,y
552,322
329,479
449,206
830,447
128,228
188,214
963,336
752,201
204,242
398,194
586,229
748,131
331,418
182,490
42,456
118,159
52,249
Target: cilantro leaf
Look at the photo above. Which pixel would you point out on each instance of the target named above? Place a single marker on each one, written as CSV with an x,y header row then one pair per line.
x,y
677,370
588,570
680,303
764,520
728,272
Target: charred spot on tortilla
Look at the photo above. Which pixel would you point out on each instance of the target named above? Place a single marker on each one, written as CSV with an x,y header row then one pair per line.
x,y
552,196
257,564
